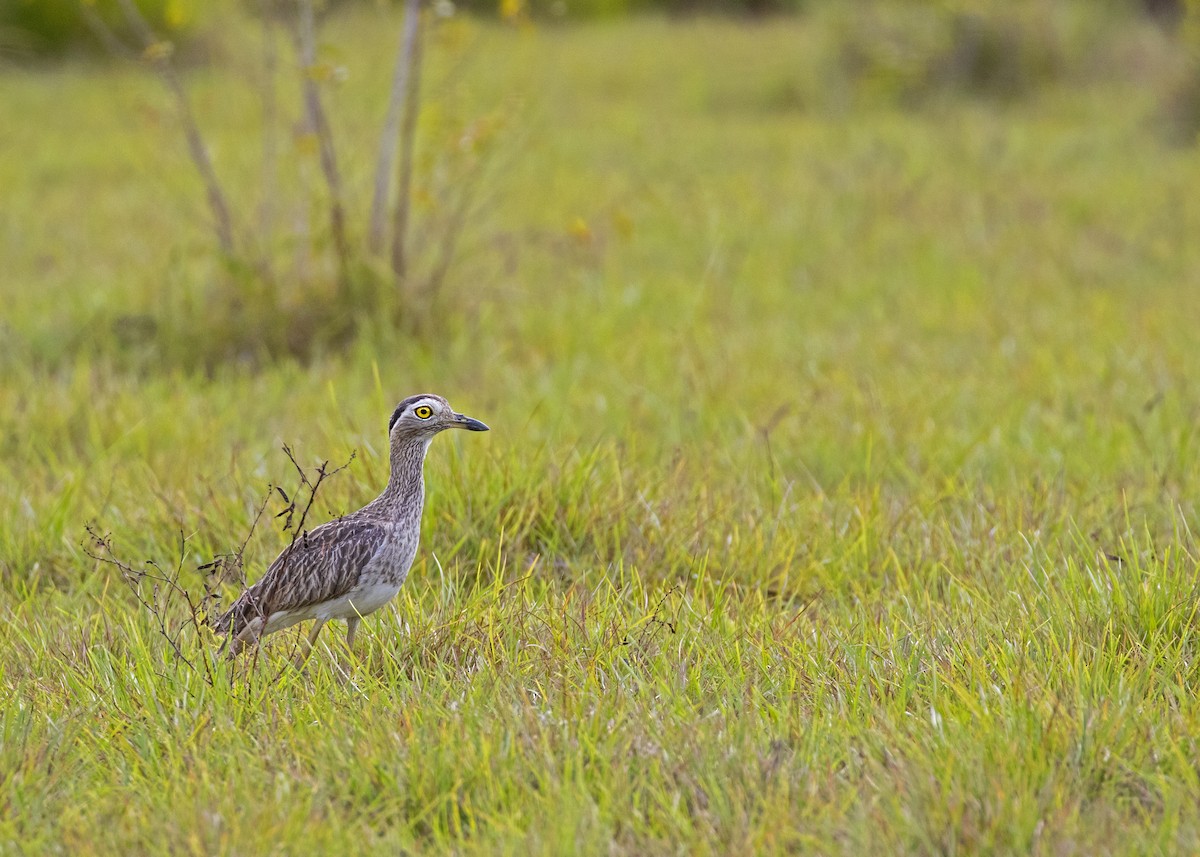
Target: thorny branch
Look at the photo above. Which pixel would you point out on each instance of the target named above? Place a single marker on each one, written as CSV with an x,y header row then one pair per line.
x,y
229,567
175,608
298,530
165,589
322,473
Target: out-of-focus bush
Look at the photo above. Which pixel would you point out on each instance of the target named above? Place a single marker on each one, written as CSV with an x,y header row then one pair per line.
x,y
1165,11
549,10
735,7
1180,111
909,52
38,28
592,9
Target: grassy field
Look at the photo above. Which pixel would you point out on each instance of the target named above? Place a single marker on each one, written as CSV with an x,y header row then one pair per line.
x,y
839,497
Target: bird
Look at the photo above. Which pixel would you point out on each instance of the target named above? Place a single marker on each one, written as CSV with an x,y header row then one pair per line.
x,y
351,566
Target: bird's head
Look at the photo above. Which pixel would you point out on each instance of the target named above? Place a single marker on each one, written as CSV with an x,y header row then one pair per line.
x,y
425,415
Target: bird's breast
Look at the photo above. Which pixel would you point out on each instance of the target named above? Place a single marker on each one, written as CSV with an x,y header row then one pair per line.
x,y
391,563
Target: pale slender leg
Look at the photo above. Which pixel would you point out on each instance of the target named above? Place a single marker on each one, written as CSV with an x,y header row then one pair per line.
x,y
351,629
312,640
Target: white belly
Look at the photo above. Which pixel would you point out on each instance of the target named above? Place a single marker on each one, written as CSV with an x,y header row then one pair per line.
x,y
359,601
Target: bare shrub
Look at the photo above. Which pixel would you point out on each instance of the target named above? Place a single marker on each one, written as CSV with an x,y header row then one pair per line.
x,y
1180,111
338,284
910,53
181,602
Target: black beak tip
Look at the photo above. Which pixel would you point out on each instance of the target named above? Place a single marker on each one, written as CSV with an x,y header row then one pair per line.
x,y
472,424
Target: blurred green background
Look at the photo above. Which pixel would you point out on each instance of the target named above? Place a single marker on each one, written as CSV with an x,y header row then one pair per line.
x,y
841,363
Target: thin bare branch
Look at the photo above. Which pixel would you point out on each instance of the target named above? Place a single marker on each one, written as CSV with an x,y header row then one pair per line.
x,y
408,136
270,146
299,533
158,53
165,590
172,607
322,473
397,108
104,33
306,48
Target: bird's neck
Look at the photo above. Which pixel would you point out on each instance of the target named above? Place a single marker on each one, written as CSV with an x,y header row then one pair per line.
x,y
404,495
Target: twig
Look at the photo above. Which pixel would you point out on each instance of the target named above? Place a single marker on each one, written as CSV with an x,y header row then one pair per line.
x,y
304,34
160,592
313,487
407,143
158,53
104,34
223,564
397,107
652,625
270,156
299,533
158,604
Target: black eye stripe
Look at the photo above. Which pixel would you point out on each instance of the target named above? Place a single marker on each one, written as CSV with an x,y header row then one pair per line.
x,y
410,406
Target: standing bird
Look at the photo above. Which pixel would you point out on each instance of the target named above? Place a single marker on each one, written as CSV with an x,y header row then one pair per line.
x,y
352,566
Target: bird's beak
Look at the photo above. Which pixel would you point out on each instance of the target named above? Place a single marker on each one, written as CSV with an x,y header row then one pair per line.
x,y
464,422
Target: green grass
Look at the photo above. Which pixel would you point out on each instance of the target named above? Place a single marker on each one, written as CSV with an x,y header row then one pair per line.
x,y
839,497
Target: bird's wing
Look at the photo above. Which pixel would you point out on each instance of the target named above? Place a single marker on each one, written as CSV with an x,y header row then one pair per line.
x,y
319,566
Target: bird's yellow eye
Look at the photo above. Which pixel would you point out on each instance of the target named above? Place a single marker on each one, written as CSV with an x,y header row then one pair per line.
x,y
424,412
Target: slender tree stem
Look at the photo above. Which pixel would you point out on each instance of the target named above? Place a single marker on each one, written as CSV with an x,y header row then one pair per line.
x,y
397,108
161,59
306,48
407,141
270,153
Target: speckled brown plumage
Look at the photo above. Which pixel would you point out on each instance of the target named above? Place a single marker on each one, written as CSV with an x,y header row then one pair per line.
x,y
353,565
323,565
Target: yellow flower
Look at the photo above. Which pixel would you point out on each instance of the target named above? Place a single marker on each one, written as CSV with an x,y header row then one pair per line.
x,y
177,14
580,231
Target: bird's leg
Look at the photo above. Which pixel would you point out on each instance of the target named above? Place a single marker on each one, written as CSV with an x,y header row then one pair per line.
x,y
351,629
301,657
